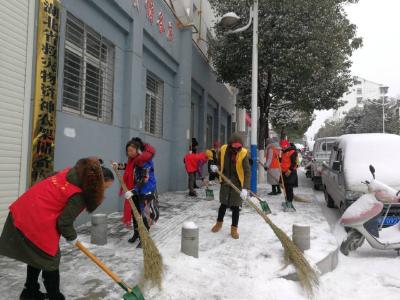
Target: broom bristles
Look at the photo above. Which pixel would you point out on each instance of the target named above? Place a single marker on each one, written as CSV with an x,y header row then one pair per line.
x,y
306,274
152,259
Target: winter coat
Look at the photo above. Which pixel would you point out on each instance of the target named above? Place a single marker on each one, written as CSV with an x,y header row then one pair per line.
x,y
129,180
272,163
145,179
191,161
15,245
289,163
231,169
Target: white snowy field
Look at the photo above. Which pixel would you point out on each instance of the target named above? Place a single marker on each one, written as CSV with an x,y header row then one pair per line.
x,y
248,268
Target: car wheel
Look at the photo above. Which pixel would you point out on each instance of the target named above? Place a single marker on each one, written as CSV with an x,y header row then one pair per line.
x,y
328,199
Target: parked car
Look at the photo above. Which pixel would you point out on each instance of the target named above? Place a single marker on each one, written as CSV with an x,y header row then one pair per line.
x,y
348,167
321,152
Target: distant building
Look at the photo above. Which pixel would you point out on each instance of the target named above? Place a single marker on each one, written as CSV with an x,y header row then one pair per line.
x,y
358,94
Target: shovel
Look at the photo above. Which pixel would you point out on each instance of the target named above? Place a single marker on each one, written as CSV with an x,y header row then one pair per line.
x,y
131,294
264,205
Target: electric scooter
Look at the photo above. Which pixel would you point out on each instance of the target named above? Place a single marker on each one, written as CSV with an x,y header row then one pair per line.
x,y
368,208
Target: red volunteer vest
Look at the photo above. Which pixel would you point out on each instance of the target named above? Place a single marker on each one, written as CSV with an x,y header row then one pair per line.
x,y
285,164
35,213
275,158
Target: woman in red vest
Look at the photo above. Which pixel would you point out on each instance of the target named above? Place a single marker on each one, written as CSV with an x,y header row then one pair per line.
x,y
272,154
289,169
46,211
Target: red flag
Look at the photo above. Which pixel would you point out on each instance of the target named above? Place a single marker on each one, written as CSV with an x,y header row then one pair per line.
x,y
170,33
150,10
160,22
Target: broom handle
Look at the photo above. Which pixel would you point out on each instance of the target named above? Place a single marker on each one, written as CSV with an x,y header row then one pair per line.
x,y
102,266
124,188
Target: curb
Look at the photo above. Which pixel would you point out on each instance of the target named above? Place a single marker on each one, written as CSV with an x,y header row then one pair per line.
x,y
327,264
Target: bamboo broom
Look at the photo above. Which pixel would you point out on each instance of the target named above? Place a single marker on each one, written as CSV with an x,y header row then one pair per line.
x,y
306,274
153,264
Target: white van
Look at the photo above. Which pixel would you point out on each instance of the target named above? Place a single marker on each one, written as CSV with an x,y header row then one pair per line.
x,y
349,163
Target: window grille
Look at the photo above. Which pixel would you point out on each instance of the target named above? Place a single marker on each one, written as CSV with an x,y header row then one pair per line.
x,y
154,105
88,72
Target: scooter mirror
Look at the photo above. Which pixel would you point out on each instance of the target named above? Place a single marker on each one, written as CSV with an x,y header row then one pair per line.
x,y
372,170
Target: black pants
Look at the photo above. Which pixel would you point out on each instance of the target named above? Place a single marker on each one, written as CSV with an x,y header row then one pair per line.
x,y
137,201
51,280
192,181
235,214
276,188
289,192
211,174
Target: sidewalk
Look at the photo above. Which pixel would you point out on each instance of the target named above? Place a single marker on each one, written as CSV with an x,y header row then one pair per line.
x,y
248,268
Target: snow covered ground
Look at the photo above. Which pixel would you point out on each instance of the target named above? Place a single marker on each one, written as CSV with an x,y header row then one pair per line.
x,y
248,268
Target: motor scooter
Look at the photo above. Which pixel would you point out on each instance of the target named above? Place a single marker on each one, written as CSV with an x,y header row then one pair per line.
x,y
367,208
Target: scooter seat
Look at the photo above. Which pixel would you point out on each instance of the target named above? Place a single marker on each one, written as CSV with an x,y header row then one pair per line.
x,y
362,210
386,197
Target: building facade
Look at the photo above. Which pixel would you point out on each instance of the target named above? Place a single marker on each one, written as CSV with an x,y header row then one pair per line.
x,y
362,91
125,68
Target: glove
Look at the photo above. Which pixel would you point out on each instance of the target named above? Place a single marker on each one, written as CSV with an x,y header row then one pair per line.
x,y
265,167
243,194
214,168
128,195
73,242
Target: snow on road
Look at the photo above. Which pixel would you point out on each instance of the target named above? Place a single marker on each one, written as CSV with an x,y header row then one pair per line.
x,y
248,268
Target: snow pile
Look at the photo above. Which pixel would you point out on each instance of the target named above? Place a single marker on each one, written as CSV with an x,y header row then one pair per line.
x,y
189,225
362,210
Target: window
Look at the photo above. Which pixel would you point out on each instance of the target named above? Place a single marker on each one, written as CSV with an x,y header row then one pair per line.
x,y
192,113
88,72
209,132
154,105
223,134
359,91
359,100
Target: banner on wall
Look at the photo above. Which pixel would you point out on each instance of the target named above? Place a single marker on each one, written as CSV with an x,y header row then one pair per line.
x,y
45,97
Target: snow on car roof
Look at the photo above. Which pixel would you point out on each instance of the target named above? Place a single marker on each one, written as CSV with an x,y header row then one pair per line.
x,y
377,149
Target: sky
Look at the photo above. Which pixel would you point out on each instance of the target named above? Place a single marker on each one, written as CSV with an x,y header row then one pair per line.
x,y
378,23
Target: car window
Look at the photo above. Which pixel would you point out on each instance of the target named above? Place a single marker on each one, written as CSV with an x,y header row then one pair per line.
x,y
332,158
327,146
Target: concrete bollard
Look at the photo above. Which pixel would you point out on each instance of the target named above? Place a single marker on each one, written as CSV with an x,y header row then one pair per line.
x,y
301,236
190,239
99,229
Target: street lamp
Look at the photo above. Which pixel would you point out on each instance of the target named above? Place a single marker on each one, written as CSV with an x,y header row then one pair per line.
x,y
383,90
228,21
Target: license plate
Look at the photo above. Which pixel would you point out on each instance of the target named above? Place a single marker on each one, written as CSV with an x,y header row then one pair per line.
x,y
390,220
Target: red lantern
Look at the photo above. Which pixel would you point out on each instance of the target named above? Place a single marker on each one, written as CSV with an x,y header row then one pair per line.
x,y
170,33
160,22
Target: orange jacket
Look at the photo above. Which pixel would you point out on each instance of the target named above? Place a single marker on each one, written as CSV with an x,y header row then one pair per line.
x,y
272,162
289,159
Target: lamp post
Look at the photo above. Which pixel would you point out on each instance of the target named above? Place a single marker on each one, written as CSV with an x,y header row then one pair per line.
x,y
383,90
229,20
